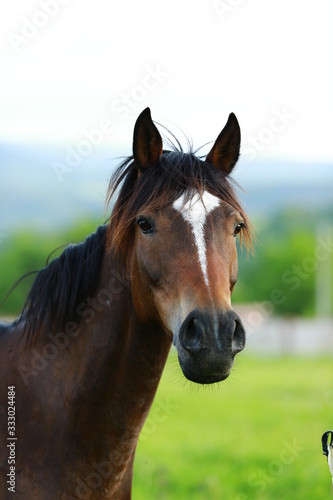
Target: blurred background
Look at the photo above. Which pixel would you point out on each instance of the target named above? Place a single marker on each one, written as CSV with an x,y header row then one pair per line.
x,y
75,76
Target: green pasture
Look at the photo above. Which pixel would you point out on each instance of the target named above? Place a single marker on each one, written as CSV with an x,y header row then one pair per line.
x,y
256,435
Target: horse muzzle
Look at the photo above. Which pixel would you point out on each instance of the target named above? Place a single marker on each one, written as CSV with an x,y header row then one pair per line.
x,y
207,345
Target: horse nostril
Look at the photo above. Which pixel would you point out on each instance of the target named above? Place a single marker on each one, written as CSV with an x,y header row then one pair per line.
x,y
238,338
192,334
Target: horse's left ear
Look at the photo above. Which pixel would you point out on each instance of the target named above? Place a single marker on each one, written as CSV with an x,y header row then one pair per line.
x,y
225,152
147,142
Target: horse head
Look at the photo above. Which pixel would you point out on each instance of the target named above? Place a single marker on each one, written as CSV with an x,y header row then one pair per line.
x,y
182,220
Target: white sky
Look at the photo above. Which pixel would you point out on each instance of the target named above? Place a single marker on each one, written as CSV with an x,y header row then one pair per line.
x,y
77,64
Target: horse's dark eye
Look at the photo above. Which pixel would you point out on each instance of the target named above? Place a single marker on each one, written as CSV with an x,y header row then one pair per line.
x,y
145,225
238,228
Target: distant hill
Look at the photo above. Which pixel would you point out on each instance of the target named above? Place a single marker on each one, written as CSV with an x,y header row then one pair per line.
x,y
40,189
271,186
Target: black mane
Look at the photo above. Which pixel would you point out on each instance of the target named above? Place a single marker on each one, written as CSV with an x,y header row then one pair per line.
x,y
67,281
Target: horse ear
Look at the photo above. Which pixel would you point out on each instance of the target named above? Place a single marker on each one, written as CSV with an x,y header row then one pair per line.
x,y
147,142
225,152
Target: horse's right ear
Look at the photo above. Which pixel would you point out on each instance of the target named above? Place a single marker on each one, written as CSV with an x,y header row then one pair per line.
x,y
147,142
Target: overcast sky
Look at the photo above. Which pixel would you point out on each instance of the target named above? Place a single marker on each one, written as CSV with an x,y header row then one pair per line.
x,y
69,67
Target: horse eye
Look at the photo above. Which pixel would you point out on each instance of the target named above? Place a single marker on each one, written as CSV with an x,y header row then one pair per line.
x,y
145,226
238,228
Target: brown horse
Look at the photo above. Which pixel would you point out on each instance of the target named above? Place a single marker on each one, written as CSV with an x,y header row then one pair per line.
x,y
81,365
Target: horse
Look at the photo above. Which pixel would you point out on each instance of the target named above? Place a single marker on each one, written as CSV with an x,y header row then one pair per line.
x,y
81,365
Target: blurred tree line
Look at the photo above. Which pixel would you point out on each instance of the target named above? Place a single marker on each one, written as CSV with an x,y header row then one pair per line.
x,y
25,251
282,270
290,249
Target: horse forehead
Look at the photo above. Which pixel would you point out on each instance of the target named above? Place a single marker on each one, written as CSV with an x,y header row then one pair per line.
x,y
196,209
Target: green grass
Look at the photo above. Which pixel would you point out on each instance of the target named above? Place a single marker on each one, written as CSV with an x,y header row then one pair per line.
x,y
255,436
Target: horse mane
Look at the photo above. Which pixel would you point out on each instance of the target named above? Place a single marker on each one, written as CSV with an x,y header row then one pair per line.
x,y
175,174
64,283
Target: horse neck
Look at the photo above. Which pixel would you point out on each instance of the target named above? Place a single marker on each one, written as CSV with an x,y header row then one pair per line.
x,y
112,363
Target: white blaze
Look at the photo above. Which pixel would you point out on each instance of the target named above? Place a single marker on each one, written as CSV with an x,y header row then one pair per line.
x,y
195,212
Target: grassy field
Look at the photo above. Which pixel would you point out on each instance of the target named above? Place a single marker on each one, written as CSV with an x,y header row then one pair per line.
x,y
256,435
